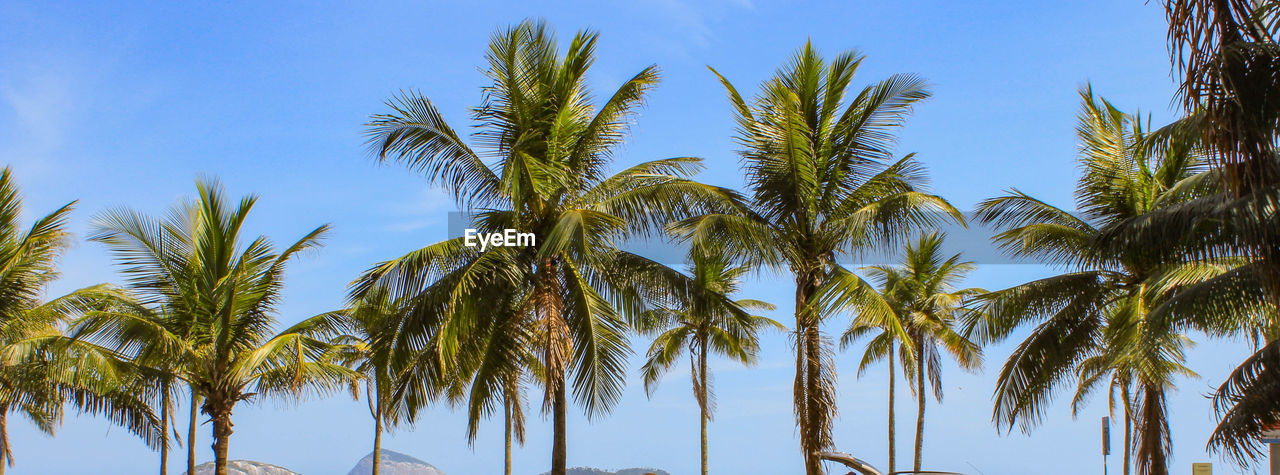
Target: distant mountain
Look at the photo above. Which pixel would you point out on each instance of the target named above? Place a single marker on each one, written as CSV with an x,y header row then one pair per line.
x,y
394,463
625,471
245,467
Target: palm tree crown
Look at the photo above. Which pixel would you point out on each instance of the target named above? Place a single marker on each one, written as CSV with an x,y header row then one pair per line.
x,y
1094,322
41,370
923,294
544,170
708,322
824,185
217,298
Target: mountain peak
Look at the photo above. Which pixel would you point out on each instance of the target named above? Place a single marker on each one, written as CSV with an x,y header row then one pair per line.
x,y
245,467
394,463
625,471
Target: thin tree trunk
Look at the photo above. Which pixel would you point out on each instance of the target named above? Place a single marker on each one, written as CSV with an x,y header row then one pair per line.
x,y
893,437
191,432
702,399
508,432
559,448
920,401
809,392
1128,427
221,437
164,427
377,440
5,460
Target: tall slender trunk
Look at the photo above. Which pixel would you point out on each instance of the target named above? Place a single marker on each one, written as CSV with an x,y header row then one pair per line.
x,y
377,439
164,427
191,432
221,437
559,447
1128,427
893,437
702,399
556,354
812,400
1153,432
5,459
508,430
920,401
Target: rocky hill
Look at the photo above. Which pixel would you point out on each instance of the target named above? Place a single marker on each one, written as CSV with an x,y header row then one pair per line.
x,y
625,471
245,467
394,463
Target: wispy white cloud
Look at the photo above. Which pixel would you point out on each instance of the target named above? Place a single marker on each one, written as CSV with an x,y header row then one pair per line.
x,y
42,104
691,23
429,207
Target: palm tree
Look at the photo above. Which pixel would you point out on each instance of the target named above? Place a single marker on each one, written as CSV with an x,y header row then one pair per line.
x,y
1095,322
40,369
824,185
702,325
157,370
159,363
922,292
363,337
218,296
574,290
891,343
1226,52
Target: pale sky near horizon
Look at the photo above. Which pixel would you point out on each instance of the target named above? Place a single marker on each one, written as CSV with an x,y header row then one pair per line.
x,y
125,106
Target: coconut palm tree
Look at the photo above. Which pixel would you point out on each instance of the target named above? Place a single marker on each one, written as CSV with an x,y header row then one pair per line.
x,y
219,297
1094,323
924,295
1226,54
363,336
40,369
159,363
543,170
366,349
158,371
704,325
889,343
824,186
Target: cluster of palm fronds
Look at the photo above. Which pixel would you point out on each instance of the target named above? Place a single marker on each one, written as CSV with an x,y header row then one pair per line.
x,y
197,311
1105,322
1176,231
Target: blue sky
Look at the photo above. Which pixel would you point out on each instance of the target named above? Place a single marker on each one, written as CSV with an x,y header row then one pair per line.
x,y
125,106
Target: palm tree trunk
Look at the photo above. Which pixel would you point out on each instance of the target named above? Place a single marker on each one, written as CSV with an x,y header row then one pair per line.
x,y
557,351
809,392
377,440
559,447
1153,432
893,437
702,400
1128,427
920,401
507,431
5,460
164,427
221,437
191,432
